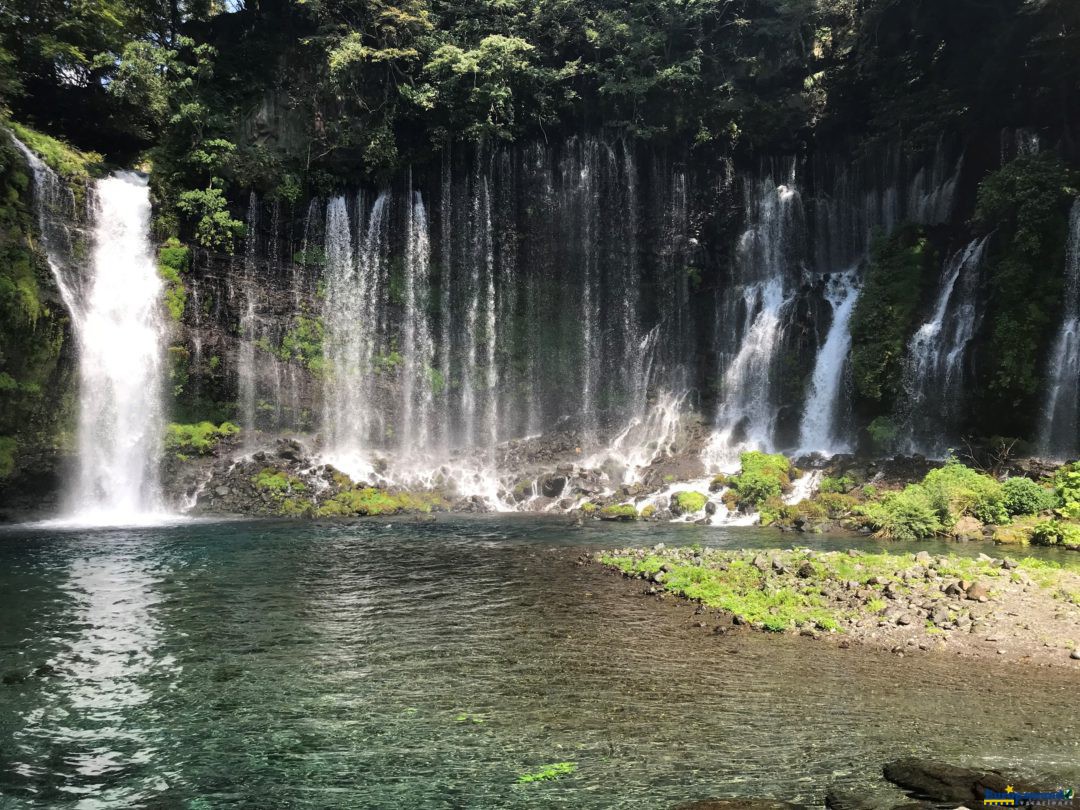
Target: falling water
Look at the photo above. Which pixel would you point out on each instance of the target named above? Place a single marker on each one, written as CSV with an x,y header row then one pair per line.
x,y
120,329
754,319
934,370
818,430
1058,431
419,352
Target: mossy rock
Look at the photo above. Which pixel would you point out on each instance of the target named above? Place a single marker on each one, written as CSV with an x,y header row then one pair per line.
x,y
622,511
688,503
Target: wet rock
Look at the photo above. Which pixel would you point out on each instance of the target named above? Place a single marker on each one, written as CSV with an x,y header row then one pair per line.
x,y
941,782
760,563
222,492
738,804
923,558
806,570
553,486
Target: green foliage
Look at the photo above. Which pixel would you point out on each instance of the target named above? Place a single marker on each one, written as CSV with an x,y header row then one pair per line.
x,y
1066,483
739,588
761,476
956,490
1026,204
906,515
548,772
882,431
1023,496
8,446
900,267
842,485
278,481
215,228
690,502
372,501
200,438
75,166
174,260
1056,532
303,343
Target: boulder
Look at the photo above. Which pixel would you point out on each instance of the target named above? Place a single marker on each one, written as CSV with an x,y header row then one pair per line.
x,y
738,804
979,591
968,528
941,782
553,486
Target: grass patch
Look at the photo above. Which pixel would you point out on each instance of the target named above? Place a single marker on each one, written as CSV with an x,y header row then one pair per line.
x,y
690,502
364,501
620,511
61,157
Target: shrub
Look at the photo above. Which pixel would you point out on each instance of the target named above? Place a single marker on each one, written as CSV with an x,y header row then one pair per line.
x,y
1024,497
906,515
1067,487
1056,532
842,485
882,432
955,490
762,476
837,505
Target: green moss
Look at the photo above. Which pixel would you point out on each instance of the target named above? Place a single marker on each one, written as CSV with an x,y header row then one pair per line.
x,y
621,511
8,446
174,259
548,772
900,267
588,508
373,501
739,588
200,438
62,158
1018,532
690,502
648,512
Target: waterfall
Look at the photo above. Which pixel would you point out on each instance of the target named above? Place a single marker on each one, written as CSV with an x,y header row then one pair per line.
x,y
753,317
120,330
417,348
818,431
346,419
934,369
1058,429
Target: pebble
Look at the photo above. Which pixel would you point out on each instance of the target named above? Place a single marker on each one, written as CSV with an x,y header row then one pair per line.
x,y
1075,654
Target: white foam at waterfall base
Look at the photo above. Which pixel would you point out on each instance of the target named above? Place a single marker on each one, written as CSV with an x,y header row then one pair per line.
x,y
645,439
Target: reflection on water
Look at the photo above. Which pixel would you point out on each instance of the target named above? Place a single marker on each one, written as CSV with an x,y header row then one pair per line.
x,y
427,665
88,731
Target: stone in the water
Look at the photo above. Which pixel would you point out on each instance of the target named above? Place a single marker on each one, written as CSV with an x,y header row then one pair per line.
x,y
738,804
945,783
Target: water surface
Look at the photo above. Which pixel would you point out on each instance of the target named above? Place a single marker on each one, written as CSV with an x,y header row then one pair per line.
x,y
405,664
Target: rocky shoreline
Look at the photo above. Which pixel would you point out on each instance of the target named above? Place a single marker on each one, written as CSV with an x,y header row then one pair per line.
x,y
1023,610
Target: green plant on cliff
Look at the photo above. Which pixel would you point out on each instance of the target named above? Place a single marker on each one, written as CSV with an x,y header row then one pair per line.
x,y
303,343
1025,204
200,438
900,266
174,260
